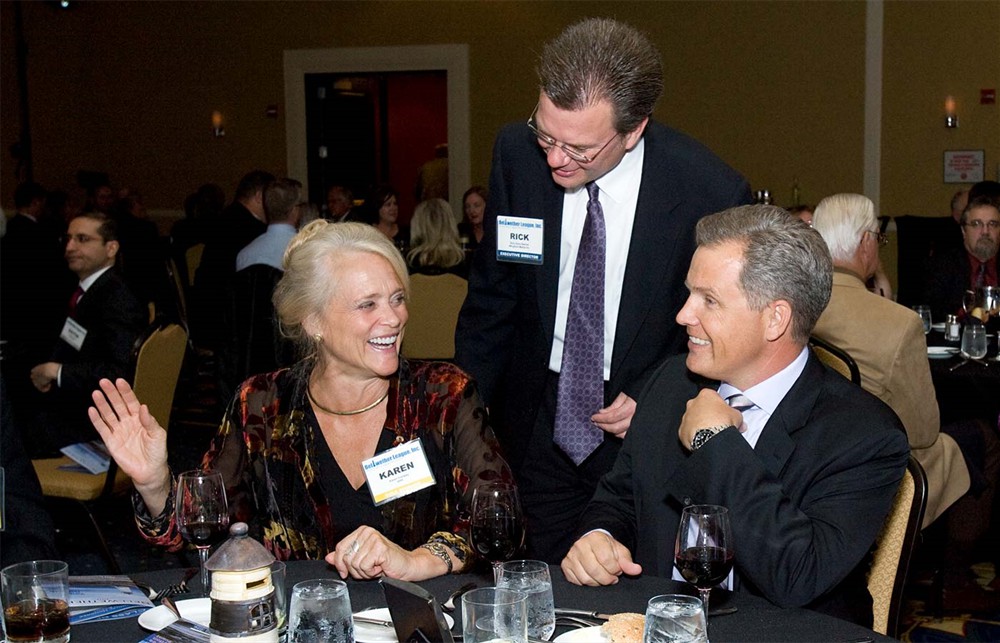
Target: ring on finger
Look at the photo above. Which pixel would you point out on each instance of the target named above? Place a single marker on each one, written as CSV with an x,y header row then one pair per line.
x,y
355,546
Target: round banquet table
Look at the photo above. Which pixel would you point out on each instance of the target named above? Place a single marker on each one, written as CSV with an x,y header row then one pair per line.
x,y
755,619
966,391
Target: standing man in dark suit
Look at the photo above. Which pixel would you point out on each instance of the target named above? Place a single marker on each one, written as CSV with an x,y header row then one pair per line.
x,y
103,321
807,463
573,292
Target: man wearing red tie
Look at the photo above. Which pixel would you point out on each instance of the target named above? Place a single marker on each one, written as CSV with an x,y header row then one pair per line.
x,y
103,321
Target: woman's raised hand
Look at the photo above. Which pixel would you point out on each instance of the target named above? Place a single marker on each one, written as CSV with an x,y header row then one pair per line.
x,y
133,437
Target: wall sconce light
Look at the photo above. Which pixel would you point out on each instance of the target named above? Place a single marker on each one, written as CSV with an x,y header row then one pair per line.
x,y
950,115
217,128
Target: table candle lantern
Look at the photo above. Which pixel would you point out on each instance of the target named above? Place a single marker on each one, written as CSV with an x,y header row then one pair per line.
x,y
243,602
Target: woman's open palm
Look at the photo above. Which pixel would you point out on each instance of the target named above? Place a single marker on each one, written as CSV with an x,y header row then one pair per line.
x,y
133,437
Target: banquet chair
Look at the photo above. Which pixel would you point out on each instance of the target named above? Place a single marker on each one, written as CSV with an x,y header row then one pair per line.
x,y
192,257
894,550
836,358
434,304
158,359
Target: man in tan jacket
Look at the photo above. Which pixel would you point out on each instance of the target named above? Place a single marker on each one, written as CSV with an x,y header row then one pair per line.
x,y
887,342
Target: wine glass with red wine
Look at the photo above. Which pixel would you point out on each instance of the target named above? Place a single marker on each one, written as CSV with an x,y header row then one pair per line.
x,y
704,550
497,523
202,513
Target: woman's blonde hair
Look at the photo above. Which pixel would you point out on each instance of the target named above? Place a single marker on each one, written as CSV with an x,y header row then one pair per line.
x,y
434,236
310,279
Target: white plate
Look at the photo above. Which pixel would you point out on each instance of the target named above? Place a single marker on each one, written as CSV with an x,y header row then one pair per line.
x,y
941,352
198,610
370,633
938,326
582,635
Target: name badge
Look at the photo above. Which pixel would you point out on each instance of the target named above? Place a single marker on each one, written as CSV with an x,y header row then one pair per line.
x,y
519,239
73,333
398,472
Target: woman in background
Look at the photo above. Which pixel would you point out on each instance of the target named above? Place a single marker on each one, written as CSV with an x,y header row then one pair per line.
x,y
474,208
434,245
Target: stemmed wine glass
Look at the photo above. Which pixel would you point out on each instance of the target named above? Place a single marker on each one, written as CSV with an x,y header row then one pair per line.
x,y
497,523
202,513
704,550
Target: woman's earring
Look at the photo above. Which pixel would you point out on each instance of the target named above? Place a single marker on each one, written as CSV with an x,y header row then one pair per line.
x,y
318,338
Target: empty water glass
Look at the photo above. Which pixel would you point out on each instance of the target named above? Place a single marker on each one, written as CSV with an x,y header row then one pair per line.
x,y
675,618
280,595
320,610
532,578
974,341
492,614
925,316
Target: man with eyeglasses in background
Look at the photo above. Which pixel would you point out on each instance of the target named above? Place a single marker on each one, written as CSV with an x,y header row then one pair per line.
x,y
950,274
103,321
574,290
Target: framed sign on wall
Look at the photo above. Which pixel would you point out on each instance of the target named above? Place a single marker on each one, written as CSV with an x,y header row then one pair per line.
x,y
963,166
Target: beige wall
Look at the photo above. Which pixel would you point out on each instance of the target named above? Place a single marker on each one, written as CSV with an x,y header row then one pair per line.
x,y
775,88
932,50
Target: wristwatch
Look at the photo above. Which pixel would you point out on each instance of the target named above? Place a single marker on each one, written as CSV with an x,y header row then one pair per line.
x,y
702,436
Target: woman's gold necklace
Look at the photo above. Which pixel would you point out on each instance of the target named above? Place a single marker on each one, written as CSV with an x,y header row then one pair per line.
x,y
355,412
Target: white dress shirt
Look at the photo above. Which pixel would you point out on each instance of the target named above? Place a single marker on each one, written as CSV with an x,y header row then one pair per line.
x,y
619,192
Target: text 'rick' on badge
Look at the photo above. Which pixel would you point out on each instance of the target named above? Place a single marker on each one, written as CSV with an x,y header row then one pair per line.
x,y
519,239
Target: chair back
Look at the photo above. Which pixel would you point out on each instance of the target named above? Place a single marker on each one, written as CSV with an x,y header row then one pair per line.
x,y
256,345
192,256
157,369
434,304
836,358
894,549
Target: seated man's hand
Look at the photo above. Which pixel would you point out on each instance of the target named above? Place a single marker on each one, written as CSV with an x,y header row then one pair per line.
x,y
598,559
706,410
44,375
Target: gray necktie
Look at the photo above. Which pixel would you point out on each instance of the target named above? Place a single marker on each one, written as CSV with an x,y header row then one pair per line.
x,y
581,379
740,402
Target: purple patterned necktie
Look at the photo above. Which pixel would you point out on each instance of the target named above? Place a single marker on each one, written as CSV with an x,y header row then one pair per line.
x,y
581,379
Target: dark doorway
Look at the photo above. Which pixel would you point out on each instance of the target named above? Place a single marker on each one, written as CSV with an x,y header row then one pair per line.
x,y
370,128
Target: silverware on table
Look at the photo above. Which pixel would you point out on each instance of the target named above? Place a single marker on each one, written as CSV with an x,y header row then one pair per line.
x,y
368,620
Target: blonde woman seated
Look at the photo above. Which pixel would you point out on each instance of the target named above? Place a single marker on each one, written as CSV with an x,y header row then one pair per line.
x,y
434,244
292,444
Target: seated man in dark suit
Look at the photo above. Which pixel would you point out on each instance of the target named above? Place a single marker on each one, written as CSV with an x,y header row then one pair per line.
x,y
104,320
951,273
808,469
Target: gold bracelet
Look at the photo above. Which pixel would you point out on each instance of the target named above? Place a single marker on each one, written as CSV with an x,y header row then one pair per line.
x,y
440,551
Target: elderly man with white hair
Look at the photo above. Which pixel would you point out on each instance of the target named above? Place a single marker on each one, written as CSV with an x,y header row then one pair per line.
x,y
894,367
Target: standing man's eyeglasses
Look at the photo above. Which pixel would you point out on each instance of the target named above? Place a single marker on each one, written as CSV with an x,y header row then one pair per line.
x,y
575,153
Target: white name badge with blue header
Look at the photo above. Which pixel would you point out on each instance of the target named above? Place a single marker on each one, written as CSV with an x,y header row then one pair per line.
x,y
519,239
398,472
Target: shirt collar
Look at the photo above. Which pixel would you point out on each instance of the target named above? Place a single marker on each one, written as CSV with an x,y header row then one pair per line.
x,y
85,284
624,178
769,393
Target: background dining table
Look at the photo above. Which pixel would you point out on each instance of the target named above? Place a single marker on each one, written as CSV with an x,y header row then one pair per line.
x,y
966,390
755,619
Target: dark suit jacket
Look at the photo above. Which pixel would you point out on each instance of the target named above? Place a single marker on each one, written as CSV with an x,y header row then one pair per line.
x,y
948,276
806,504
114,319
505,329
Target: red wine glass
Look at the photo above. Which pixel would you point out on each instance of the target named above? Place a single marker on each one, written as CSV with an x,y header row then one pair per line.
x,y
202,513
497,523
704,550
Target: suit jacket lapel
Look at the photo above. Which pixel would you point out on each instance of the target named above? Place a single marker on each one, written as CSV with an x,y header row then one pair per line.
x,y
775,444
653,237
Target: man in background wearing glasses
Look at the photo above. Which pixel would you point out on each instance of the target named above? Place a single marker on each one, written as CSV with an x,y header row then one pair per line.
x,y
973,265
573,293
103,321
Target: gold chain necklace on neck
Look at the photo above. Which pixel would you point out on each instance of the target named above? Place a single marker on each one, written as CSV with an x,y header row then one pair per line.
x,y
355,412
